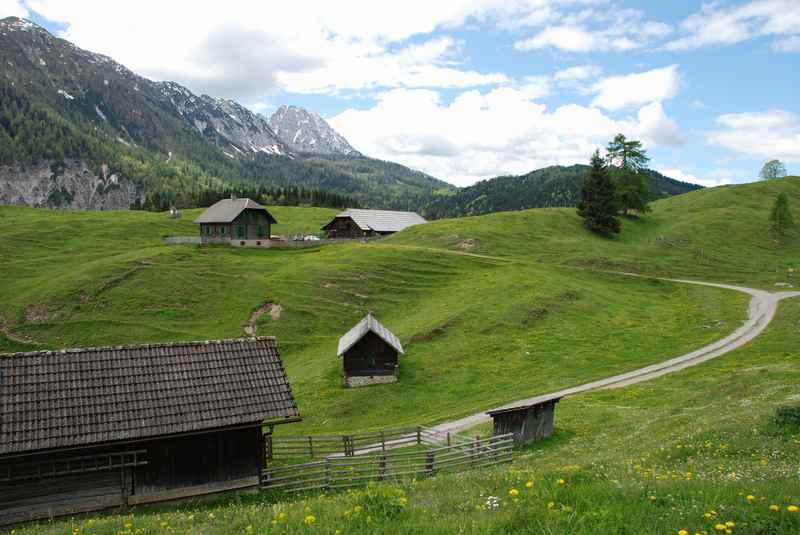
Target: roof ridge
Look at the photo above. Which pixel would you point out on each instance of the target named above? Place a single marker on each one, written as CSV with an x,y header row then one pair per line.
x,y
180,343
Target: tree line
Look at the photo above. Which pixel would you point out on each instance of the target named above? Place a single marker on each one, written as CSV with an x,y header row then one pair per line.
x,y
161,201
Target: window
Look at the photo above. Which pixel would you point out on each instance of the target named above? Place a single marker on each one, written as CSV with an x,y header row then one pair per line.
x,y
240,231
262,231
221,231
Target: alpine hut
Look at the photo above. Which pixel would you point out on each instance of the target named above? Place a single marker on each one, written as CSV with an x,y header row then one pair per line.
x,y
357,223
241,222
529,422
88,429
370,353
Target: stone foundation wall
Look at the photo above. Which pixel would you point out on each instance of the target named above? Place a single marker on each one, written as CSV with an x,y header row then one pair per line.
x,y
366,380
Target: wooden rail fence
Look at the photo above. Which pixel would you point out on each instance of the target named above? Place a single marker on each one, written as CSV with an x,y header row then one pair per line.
x,y
348,470
320,446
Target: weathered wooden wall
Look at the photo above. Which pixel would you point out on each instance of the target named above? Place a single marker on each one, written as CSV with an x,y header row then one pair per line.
x,y
528,424
176,468
344,227
370,356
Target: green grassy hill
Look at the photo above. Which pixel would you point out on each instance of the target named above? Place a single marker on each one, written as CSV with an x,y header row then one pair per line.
x,y
489,309
719,234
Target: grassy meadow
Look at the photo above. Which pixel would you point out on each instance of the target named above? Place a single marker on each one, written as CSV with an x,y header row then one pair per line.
x,y
697,451
489,309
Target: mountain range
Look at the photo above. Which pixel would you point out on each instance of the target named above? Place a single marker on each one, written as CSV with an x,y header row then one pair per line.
x,y
79,130
123,138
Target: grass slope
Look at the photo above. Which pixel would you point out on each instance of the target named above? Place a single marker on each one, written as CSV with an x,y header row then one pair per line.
x,y
477,331
682,452
719,234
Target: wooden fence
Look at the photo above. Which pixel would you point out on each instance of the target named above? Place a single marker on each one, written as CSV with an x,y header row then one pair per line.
x,y
319,446
341,471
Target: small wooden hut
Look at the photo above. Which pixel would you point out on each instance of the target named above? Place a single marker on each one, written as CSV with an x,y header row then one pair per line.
x,y
529,422
358,223
234,221
88,429
370,353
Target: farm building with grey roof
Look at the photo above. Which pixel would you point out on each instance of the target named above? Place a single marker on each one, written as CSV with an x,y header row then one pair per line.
x,y
358,223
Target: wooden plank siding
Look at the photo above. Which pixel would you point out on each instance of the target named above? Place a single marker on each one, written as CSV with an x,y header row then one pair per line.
x,y
249,225
370,356
175,468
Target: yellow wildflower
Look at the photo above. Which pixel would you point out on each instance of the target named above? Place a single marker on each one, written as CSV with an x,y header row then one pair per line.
x,y
774,508
792,508
730,524
357,509
529,485
513,493
720,527
750,498
550,505
652,498
683,532
561,482
310,520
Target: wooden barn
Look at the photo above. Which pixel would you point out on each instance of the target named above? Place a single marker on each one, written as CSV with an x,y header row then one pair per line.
x,y
370,354
354,223
237,222
529,422
88,429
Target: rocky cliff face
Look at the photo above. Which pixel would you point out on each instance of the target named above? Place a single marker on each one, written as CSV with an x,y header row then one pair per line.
x,y
70,184
306,132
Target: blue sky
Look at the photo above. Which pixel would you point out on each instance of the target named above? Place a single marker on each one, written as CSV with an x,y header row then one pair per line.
x,y
467,90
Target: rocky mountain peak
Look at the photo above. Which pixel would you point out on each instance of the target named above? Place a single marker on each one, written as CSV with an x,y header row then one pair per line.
x,y
306,132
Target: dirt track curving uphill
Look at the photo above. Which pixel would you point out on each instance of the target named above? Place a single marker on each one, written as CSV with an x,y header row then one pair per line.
x,y
763,305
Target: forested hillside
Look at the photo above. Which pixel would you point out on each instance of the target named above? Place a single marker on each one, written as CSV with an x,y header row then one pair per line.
x,y
555,186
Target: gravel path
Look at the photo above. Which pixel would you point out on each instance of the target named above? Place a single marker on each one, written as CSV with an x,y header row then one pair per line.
x,y
763,305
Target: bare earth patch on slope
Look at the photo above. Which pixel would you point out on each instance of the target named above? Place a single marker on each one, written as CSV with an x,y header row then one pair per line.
x,y
273,309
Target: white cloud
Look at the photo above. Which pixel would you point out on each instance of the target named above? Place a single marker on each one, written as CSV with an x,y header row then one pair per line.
x,y
590,31
578,72
485,134
617,92
759,135
655,127
678,174
248,50
790,44
717,25
12,8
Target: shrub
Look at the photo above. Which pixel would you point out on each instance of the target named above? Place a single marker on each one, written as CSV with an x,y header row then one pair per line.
x,y
788,416
380,501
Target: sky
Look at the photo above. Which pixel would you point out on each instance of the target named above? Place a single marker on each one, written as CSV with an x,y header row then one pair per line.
x,y
467,90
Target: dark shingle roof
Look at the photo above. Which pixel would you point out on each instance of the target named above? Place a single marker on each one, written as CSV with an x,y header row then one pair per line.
x,y
227,210
73,397
368,324
381,220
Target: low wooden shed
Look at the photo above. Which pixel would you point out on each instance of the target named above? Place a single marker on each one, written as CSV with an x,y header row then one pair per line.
x,y
370,353
529,422
360,223
88,429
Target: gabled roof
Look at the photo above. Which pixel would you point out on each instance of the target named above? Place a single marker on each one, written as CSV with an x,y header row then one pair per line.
x,y
368,324
227,210
76,397
381,220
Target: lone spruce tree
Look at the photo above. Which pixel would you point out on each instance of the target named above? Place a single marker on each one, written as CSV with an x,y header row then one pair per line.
x,y
598,204
628,161
781,217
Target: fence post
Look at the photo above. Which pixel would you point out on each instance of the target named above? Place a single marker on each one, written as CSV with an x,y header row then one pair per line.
x,y
448,438
383,441
327,474
475,449
429,463
310,447
419,435
381,467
